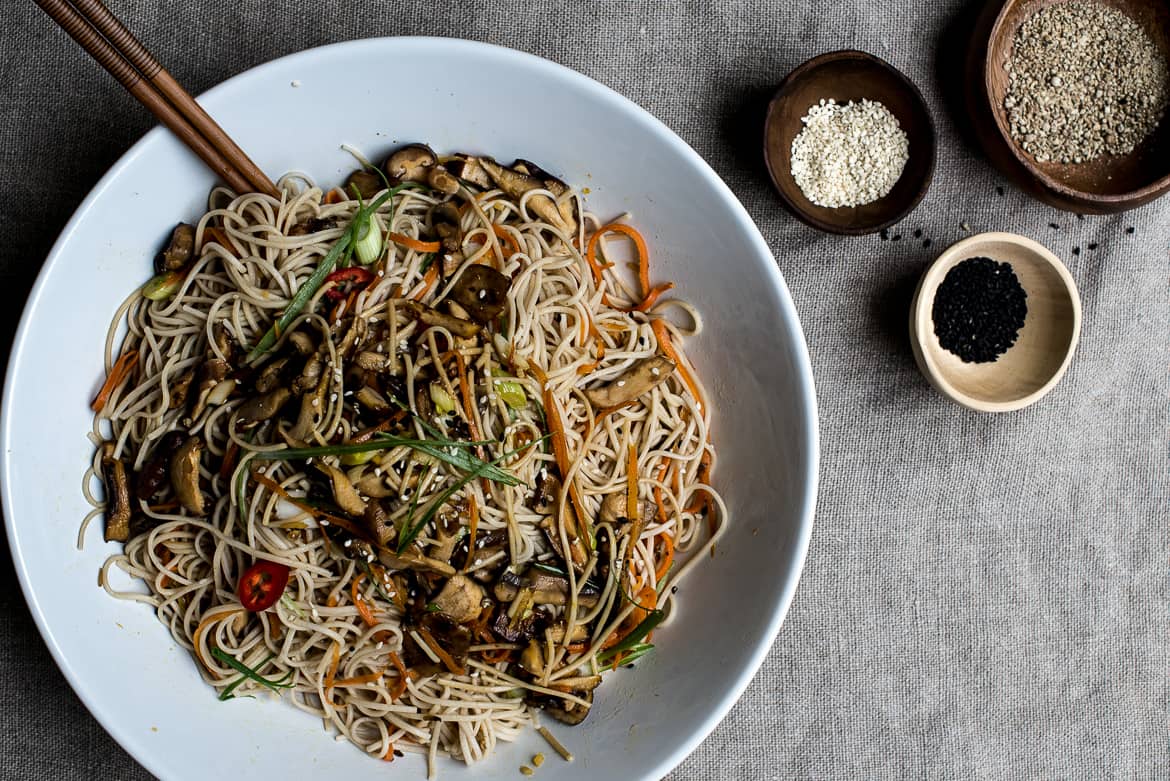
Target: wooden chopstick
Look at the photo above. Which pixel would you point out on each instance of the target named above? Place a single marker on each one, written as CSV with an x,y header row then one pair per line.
x,y
231,163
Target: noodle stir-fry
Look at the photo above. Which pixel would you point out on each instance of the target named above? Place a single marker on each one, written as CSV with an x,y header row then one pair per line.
x,y
412,451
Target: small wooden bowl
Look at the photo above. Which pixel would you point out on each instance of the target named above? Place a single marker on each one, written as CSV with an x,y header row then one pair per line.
x,y
845,76
1106,185
1041,354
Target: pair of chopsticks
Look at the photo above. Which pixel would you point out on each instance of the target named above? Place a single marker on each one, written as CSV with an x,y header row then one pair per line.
x,y
116,49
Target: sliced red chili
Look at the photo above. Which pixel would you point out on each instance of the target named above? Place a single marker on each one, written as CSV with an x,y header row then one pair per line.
x,y
262,584
347,279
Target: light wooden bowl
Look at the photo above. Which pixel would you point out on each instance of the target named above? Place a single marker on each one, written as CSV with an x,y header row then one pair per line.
x,y
1105,185
1041,354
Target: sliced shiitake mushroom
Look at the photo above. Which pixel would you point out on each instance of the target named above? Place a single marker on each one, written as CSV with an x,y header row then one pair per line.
x,y
433,317
482,291
517,184
546,588
180,387
117,485
185,475
633,382
344,494
469,170
441,180
460,599
153,476
261,408
178,251
564,711
410,163
366,183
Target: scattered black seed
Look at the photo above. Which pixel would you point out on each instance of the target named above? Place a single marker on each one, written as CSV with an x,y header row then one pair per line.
x,y
918,234
885,234
1054,225
1093,247
398,753
1129,229
1076,250
926,242
979,309
1080,216
999,191
674,589
896,237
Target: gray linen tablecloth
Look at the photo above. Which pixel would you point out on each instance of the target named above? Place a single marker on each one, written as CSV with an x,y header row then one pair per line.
x,y
985,596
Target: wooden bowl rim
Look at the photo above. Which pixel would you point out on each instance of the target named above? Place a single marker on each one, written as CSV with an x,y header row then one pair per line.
x,y
869,59
920,316
1154,189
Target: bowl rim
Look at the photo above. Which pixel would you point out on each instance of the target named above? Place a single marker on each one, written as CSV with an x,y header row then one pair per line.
x,y
808,420
802,70
924,299
1155,189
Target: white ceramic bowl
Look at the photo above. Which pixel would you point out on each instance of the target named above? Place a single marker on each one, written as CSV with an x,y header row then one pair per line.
x,y
293,114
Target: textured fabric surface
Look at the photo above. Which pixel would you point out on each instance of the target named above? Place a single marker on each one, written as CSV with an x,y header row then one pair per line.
x,y
985,596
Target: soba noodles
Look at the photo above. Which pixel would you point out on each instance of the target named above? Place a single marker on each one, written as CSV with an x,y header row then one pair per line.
x,y
436,450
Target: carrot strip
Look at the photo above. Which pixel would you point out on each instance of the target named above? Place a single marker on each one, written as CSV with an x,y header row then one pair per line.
x,y
229,460
446,658
668,559
632,482
561,449
429,280
362,608
413,243
400,687
217,235
465,391
503,235
122,367
359,680
659,476
339,522
639,246
334,196
389,755
663,336
331,672
653,296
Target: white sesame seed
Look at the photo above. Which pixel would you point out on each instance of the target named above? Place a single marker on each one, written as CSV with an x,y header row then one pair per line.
x,y
655,371
621,383
309,460
315,402
316,615
333,397
324,523
377,471
482,295
348,543
378,646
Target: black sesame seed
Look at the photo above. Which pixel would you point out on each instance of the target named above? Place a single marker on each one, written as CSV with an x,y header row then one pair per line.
x,y
674,589
1130,229
999,191
885,234
1080,216
1093,247
1055,226
1076,250
918,234
896,237
979,309
926,242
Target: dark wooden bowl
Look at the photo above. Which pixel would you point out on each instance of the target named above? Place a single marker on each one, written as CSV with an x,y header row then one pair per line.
x,y
1106,185
845,76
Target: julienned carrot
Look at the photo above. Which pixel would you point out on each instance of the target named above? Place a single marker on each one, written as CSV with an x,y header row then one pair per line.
x,y
652,297
400,687
362,608
472,529
663,567
643,262
389,755
413,243
338,521
503,235
664,343
123,366
660,476
465,392
359,680
429,280
440,652
632,482
646,601
334,196
332,672
561,452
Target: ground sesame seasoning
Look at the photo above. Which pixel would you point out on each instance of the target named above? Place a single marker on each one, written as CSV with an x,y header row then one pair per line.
x,y
538,759
525,770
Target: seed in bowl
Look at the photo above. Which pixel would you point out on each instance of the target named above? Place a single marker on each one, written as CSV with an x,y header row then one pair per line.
x,y
848,155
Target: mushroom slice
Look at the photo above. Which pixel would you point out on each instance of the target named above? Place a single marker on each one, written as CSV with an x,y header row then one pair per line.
x,y
374,486
312,408
546,588
410,163
262,408
346,496
414,561
441,180
367,184
270,375
371,399
375,517
302,343
460,599
185,475
516,184
566,206
638,379
152,476
564,711
579,634
433,317
613,509
531,658
117,486
469,170
180,387
179,249
310,375
213,372
482,291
